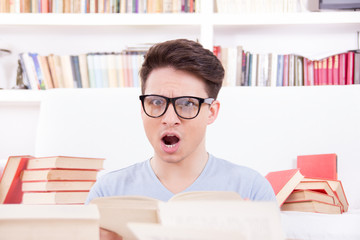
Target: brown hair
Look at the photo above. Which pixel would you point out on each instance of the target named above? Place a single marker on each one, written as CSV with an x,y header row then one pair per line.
x,y
185,55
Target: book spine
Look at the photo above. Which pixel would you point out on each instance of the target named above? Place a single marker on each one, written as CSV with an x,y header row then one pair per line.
x,y
342,68
350,68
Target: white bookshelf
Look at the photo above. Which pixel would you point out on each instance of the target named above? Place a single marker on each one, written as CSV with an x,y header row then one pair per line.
x,y
305,33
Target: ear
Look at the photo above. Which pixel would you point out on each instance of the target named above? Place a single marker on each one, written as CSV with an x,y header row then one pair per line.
x,y
213,111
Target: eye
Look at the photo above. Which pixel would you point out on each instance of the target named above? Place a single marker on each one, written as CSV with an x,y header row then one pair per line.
x,y
187,102
157,102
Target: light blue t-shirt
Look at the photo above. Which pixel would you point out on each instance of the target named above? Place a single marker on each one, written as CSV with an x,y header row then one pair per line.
x,y
218,175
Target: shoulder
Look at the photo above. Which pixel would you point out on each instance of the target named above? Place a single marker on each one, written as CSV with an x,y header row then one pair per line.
x,y
232,168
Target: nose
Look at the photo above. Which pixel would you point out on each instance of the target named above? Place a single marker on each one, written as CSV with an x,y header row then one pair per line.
x,y
170,117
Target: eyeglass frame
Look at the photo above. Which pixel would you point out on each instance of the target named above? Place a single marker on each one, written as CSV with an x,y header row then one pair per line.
x,y
172,100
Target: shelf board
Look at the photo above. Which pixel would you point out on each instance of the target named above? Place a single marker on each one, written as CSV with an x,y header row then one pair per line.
x,y
88,19
21,96
300,18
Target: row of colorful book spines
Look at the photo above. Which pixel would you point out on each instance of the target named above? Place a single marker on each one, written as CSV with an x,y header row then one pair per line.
x,y
98,6
339,69
98,69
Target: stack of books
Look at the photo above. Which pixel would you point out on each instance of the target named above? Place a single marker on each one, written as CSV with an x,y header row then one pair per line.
x,y
59,180
48,180
312,187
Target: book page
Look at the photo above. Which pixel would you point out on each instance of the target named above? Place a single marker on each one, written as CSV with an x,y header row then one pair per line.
x,y
255,220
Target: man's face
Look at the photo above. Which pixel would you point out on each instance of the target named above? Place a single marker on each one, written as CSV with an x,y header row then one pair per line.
x,y
173,138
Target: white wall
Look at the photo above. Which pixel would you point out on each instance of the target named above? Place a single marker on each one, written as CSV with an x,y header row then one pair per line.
x,y
264,128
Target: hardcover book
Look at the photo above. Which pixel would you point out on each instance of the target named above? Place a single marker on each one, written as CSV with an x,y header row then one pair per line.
x,y
43,222
284,182
51,186
65,162
319,186
58,174
338,189
74,197
318,166
10,183
311,206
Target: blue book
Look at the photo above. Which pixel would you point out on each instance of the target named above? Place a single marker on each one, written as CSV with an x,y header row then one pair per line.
x,y
38,71
280,71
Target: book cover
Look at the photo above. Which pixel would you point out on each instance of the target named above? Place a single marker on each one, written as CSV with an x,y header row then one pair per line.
x,y
316,72
10,183
84,75
357,68
350,68
286,70
38,72
45,69
284,182
239,61
342,68
75,67
336,69
330,66
318,166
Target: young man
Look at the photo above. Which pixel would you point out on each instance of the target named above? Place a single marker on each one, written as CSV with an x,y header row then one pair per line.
x,y
180,84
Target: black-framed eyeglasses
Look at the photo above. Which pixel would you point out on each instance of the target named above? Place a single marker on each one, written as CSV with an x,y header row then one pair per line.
x,y
186,107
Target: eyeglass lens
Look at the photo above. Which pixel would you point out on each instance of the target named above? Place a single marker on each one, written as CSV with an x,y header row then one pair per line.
x,y
185,107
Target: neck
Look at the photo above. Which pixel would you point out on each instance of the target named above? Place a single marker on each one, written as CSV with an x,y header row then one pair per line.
x,y
179,175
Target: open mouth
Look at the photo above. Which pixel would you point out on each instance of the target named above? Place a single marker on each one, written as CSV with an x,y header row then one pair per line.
x,y
170,140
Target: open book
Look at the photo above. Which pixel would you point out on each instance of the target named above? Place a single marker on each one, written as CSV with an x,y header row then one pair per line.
x,y
197,215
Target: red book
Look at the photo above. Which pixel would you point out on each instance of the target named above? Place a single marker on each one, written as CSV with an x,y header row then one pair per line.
x,y
336,69
316,72
318,166
323,72
342,68
330,66
350,68
284,182
10,184
286,70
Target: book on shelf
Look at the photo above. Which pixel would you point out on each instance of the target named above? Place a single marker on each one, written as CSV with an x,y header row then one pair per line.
x,y
51,186
58,197
10,184
318,166
56,222
66,162
270,69
100,6
117,212
284,182
311,206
